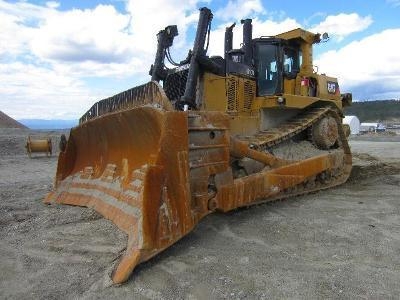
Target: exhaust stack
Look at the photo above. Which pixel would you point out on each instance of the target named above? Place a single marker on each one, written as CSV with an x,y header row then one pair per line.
x,y
228,39
189,98
247,41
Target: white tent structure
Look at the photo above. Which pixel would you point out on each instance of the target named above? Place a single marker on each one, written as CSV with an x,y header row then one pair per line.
x,y
354,124
372,127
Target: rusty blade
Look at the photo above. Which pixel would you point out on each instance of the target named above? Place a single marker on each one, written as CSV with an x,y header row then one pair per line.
x,y
131,167
150,93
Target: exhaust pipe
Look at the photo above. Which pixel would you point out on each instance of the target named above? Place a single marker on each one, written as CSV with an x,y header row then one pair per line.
x,y
247,41
189,96
228,39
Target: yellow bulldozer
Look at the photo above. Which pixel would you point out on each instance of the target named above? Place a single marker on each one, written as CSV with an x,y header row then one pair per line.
x,y
256,125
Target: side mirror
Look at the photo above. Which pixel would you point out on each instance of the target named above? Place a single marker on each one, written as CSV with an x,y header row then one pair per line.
x,y
325,37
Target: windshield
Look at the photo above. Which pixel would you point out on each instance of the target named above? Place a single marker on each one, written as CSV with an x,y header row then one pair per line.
x,y
291,62
267,69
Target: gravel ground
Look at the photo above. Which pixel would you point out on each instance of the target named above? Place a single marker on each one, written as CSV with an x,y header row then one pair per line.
x,y
342,243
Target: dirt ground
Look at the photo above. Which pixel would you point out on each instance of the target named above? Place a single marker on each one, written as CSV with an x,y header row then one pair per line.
x,y
342,243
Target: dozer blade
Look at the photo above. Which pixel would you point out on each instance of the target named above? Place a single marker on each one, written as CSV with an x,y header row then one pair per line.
x,y
131,167
156,172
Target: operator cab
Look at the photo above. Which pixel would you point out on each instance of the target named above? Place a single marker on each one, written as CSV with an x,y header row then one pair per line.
x,y
274,60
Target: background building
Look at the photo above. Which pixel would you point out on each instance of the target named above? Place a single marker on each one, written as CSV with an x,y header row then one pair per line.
x,y
372,127
354,124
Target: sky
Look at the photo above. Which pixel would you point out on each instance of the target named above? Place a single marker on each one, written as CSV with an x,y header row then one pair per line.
x,y
59,57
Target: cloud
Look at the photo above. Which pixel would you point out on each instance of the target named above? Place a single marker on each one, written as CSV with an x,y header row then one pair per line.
x,y
239,9
49,56
52,4
395,3
70,37
342,25
104,42
82,35
365,68
29,15
17,23
149,17
13,38
46,54
55,63
40,92
269,27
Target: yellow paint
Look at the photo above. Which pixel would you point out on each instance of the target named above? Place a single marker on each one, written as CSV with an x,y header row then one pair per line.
x,y
236,94
214,92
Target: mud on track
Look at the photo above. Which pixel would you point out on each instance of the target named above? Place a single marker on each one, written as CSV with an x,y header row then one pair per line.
x,y
340,243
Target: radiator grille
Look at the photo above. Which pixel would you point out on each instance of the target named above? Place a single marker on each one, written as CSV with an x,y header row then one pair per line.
x,y
248,94
232,95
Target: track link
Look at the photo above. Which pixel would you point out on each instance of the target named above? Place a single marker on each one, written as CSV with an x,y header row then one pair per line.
x,y
265,139
273,136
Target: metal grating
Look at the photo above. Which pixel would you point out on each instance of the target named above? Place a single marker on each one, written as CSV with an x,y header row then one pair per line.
x,y
248,94
231,91
175,84
137,96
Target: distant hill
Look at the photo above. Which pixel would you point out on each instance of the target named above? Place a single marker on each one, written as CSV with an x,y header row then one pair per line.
x,y
374,111
48,124
8,122
366,111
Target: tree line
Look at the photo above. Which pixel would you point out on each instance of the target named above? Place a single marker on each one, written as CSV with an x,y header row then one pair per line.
x,y
375,111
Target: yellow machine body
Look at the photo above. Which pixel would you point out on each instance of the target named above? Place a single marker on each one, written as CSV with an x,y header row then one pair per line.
x,y
155,164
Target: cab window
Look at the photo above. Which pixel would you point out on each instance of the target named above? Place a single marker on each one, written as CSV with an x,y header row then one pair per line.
x,y
291,62
267,69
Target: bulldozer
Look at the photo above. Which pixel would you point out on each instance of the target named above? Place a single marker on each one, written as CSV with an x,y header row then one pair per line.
x,y
207,134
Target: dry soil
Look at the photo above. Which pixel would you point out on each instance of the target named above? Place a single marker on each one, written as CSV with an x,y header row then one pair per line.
x,y
342,243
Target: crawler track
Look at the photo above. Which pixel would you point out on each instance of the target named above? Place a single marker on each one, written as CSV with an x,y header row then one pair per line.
x,y
267,139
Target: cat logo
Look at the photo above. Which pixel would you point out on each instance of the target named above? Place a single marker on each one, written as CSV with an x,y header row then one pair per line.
x,y
331,86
